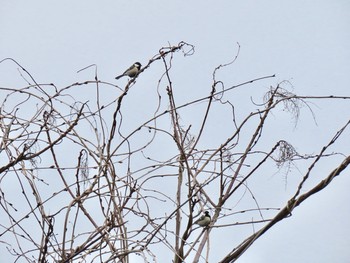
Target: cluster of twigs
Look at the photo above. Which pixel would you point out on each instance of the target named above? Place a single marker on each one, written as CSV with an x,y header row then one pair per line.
x,y
78,184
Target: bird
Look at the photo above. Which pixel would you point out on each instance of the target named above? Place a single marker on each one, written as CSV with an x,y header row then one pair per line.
x,y
204,220
132,71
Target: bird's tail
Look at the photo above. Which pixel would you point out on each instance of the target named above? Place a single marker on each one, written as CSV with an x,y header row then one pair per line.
x,y
118,77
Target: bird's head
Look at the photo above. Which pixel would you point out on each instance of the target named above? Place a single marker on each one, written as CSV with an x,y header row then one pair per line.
x,y
137,65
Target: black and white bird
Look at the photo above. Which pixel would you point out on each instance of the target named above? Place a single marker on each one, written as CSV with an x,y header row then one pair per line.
x,y
132,71
204,220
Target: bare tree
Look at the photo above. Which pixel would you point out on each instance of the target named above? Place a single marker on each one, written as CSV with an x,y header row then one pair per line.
x,y
86,181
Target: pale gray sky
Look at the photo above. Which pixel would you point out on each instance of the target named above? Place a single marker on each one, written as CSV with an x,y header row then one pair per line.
x,y
304,42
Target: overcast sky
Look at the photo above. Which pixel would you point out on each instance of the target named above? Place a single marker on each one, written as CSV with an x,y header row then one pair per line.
x,y
304,42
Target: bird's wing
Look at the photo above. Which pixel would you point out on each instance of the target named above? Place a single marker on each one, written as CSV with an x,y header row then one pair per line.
x,y
199,219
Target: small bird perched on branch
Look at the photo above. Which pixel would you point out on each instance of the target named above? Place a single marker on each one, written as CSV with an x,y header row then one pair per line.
x,y
204,220
132,71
